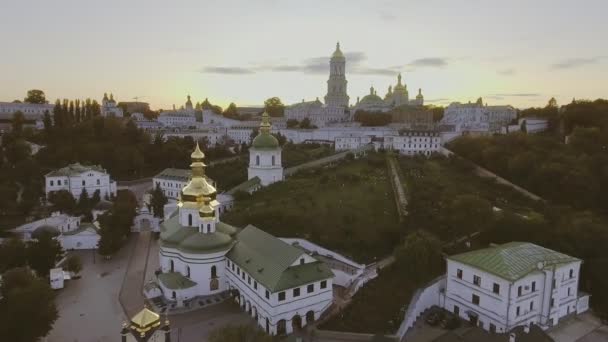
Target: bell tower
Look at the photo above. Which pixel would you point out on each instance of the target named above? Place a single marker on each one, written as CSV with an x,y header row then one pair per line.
x,y
336,85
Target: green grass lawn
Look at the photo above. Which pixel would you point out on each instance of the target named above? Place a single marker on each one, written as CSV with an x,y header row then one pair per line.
x,y
299,154
348,208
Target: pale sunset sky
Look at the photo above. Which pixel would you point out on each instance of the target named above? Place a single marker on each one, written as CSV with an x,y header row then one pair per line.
x,y
519,52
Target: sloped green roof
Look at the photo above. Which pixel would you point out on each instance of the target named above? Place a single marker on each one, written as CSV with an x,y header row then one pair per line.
x,y
75,169
188,239
245,186
175,281
82,228
267,259
183,175
513,260
265,141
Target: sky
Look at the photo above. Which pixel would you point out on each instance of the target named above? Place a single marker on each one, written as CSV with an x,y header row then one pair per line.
x,y
517,52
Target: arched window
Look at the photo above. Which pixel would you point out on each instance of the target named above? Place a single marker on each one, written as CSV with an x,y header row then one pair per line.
x,y
272,160
257,160
208,227
213,272
173,294
189,220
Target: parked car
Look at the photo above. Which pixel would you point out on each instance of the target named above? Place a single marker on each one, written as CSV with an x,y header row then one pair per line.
x,y
450,322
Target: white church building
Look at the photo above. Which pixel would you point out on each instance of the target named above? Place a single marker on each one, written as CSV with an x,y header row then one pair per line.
x,y
265,156
279,285
76,177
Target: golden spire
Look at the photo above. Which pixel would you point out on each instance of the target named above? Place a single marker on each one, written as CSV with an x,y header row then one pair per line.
x,y
198,185
265,125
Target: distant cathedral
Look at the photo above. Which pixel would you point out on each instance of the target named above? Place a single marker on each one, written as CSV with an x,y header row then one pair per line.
x,y
337,107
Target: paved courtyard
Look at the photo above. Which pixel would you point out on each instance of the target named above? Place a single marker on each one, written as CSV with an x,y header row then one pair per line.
x,y
582,328
88,307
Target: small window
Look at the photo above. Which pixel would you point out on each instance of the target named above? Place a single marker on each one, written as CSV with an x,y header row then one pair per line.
x,y
533,286
519,291
281,296
296,292
456,310
267,294
324,284
459,273
569,291
310,288
475,299
571,273
552,302
238,271
477,280
52,183
243,275
517,311
531,306
492,328
255,285
249,280
82,183
496,288
302,261
98,182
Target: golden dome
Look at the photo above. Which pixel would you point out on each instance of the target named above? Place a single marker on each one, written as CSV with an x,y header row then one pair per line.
x,y
197,154
198,187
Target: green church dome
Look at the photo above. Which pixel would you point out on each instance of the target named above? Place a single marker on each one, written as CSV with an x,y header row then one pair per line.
x,y
265,140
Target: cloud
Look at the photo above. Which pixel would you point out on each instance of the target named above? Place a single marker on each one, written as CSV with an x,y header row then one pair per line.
x,y
506,72
313,65
576,62
517,95
434,62
227,70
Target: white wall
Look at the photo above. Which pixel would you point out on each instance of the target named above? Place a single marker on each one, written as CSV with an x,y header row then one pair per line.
x,y
422,300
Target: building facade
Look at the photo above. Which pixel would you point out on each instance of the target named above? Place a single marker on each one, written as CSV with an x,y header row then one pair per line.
x,y
279,285
31,111
477,117
75,177
414,142
265,156
514,284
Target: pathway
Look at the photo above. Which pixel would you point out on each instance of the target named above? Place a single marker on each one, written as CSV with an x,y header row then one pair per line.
x,y
131,297
398,189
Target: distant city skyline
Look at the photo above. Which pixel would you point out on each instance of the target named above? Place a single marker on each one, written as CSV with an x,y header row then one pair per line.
x,y
515,52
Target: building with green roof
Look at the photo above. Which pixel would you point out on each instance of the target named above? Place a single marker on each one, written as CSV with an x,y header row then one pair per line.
x,y
76,178
281,286
265,156
514,284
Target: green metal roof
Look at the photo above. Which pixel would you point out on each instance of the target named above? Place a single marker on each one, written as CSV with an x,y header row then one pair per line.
x,y
183,175
265,141
267,259
245,186
75,169
512,260
175,281
188,239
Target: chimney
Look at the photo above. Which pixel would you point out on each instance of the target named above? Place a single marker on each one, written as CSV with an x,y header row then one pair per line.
x,y
512,337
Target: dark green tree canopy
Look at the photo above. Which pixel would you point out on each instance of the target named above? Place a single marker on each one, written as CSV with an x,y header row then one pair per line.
x,y
35,96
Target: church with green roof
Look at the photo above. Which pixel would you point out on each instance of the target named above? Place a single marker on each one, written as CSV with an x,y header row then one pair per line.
x,y
281,286
265,156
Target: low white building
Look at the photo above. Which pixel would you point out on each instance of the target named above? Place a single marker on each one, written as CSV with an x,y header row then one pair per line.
x,y
414,142
177,119
518,283
76,177
319,114
31,111
68,230
279,285
351,141
477,117
265,156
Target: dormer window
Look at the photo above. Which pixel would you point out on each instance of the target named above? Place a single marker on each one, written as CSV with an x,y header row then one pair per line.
x,y
302,261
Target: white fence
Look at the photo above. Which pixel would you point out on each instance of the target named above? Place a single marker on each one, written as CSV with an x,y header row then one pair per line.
x,y
423,299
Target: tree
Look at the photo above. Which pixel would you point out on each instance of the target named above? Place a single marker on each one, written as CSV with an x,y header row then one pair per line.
x,y
274,107
123,211
43,253
305,123
84,201
35,96
18,122
62,200
48,123
231,111
110,236
469,213
17,151
158,202
73,264
96,198
420,254
292,123
12,254
231,333
27,307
